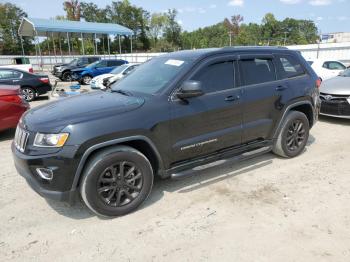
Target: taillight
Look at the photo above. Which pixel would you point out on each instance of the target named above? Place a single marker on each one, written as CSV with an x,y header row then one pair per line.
x,y
318,82
31,70
44,80
12,99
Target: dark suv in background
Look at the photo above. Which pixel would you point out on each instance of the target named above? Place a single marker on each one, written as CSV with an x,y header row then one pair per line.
x,y
64,71
173,113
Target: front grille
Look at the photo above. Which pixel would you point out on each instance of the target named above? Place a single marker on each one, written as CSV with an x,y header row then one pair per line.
x,y
21,138
335,107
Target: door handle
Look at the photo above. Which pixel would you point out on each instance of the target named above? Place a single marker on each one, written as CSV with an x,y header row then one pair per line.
x,y
232,98
281,88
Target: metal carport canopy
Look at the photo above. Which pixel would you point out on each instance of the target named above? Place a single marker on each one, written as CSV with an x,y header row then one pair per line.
x,y
40,27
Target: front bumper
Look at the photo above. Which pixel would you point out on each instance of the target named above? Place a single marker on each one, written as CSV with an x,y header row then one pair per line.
x,y
335,106
60,187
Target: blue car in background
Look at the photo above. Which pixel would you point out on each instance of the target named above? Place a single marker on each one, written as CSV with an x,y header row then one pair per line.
x,y
85,74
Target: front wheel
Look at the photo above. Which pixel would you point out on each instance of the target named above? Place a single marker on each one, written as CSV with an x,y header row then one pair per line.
x,y
116,181
67,76
86,80
293,135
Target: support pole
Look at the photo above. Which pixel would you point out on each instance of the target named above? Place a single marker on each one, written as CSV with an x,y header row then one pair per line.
x,y
82,41
36,51
68,44
103,47
120,46
22,47
54,47
59,42
131,44
39,49
95,45
48,47
109,47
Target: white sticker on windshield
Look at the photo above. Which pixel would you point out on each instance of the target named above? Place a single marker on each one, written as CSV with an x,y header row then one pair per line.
x,y
174,62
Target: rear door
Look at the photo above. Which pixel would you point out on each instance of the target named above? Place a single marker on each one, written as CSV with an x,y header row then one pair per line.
x,y
210,122
262,96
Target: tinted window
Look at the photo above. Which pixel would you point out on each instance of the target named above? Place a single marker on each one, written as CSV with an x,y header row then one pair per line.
x,y
310,62
115,63
92,59
216,77
289,67
9,74
256,71
101,64
333,65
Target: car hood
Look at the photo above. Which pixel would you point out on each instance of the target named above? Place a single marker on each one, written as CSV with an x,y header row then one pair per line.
x,y
54,116
338,85
101,77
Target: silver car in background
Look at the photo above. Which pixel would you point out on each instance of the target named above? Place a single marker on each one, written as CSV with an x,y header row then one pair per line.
x,y
335,96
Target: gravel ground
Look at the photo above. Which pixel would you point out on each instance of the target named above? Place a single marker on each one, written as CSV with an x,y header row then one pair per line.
x,y
264,209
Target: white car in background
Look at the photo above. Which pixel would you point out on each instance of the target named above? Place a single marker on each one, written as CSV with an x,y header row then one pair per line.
x,y
116,74
327,69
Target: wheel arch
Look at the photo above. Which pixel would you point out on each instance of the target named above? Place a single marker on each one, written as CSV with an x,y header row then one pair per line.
x,y
301,106
140,143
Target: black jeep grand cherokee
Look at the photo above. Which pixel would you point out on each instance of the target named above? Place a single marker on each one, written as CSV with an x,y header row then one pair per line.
x,y
173,113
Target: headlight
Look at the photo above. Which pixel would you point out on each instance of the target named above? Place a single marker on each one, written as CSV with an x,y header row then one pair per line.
x,y
59,69
50,140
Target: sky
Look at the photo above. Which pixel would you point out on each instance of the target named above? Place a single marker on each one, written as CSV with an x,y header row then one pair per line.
x,y
329,15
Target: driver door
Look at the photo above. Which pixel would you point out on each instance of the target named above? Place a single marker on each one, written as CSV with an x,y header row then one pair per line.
x,y
210,122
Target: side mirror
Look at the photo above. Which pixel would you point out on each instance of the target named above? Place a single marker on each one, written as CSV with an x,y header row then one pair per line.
x,y
190,89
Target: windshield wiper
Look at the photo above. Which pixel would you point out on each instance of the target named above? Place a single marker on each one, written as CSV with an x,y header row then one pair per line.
x,y
123,92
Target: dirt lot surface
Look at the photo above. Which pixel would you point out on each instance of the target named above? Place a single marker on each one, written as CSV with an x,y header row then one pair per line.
x,y
264,209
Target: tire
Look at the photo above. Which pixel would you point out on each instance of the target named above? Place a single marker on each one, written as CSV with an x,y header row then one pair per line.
x,y
67,76
85,80
28,93
293,135
112,194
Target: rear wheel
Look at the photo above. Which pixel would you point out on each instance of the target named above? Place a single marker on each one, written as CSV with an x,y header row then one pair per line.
x,y
28,94
293,135
116,182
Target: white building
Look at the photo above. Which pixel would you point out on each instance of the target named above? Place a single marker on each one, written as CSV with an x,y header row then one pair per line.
x,y
339,37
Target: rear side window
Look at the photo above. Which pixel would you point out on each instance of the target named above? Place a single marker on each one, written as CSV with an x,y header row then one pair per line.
x,y
333,65
9,74
257,71
115,63
93,59
289,66
216,77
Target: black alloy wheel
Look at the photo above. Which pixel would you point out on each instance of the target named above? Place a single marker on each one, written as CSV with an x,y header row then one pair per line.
x,y
296,135
120,184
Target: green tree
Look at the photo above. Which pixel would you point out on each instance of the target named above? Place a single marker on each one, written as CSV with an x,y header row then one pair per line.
x,y
10,41
157,26
72,9
173,29
92,13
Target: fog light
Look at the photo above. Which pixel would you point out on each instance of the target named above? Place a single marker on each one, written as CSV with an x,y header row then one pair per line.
x,y
45,173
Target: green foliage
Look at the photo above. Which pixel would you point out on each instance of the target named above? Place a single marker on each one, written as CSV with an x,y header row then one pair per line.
x,y
10,19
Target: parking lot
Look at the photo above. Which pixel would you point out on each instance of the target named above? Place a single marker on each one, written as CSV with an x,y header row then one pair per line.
x,y
264,209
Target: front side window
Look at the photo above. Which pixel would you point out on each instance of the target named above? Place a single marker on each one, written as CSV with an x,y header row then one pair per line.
x,y
257,71
289,66
216,77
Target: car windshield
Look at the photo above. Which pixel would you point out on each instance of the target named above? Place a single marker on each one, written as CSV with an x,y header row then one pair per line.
x,y
119,69
94,64
152,76
345,73
73,62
